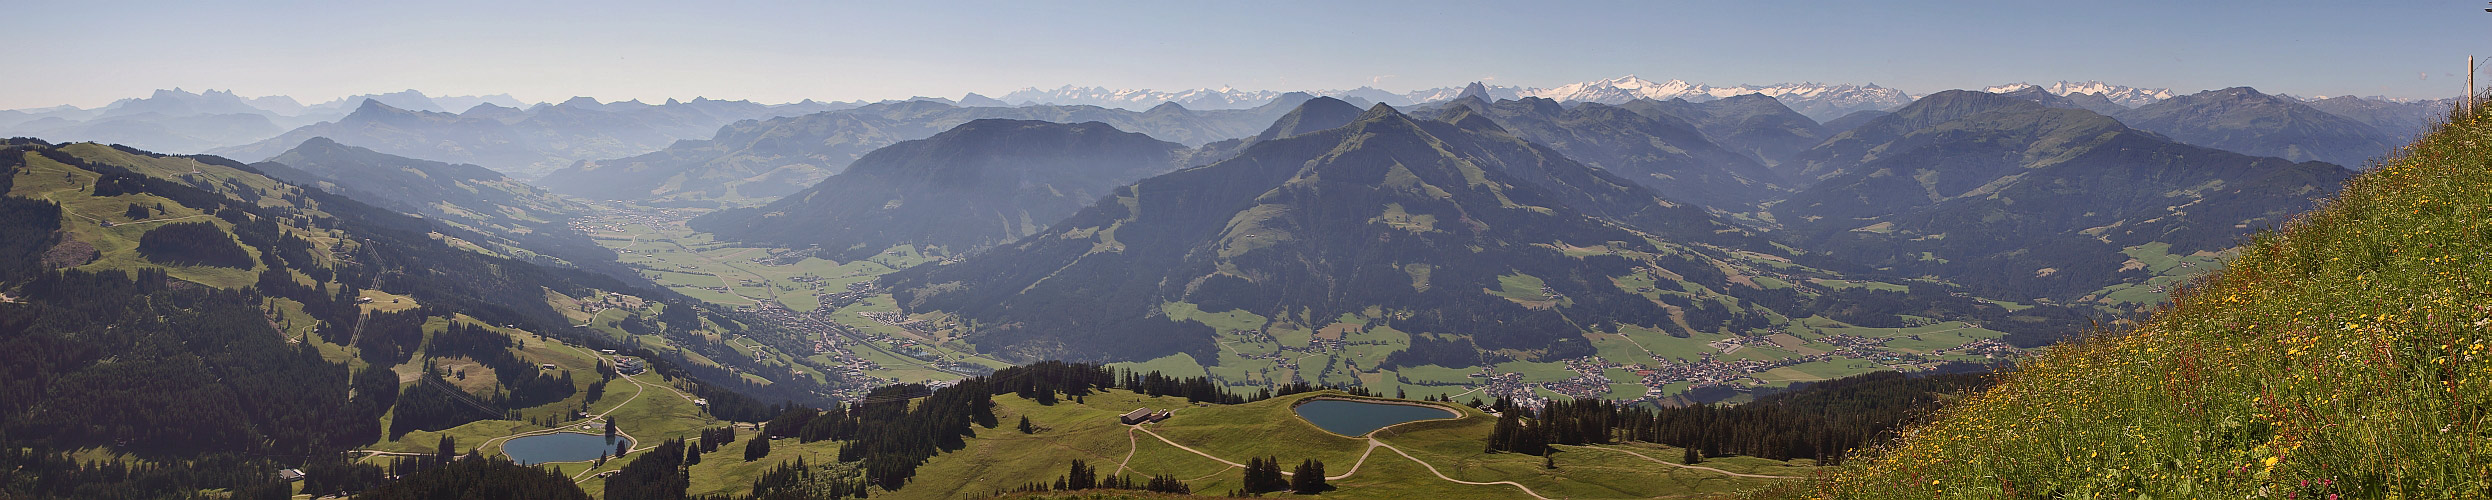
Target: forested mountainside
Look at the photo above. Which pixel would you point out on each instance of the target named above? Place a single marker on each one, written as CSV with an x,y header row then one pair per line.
x,y
269,325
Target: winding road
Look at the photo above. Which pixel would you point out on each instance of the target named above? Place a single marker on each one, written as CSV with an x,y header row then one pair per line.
x,y
638,388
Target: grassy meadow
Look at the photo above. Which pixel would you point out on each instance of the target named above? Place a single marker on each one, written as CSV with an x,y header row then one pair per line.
x,y
2348,354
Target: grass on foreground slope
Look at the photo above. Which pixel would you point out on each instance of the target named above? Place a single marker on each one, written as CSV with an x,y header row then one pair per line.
x,y
2348,354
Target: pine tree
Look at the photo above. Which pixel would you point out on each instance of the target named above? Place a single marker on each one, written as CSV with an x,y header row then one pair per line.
x,y
1025,426
1309,478
1081,477
1691,458
1264,475
757,448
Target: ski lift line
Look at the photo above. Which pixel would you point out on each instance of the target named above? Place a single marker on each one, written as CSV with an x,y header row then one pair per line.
x,y
460,396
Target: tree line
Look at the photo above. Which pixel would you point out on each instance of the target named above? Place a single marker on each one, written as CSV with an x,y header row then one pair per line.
x,y
1823,421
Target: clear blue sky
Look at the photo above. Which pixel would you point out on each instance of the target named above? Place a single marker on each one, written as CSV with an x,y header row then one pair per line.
x,y
88,53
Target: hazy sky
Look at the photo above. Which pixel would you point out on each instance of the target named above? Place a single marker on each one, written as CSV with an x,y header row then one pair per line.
x,y
88,53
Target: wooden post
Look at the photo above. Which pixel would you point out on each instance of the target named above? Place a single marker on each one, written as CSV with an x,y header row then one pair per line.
x,y
2470,85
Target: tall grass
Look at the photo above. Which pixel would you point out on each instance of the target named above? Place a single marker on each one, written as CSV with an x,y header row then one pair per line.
x,y
2347,354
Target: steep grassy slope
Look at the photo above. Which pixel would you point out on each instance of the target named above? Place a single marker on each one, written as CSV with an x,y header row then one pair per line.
x,y
2348,354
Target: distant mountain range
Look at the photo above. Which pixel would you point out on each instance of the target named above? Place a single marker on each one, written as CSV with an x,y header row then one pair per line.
x,y
524,143
1665,153
753,162
522,221
2399,120
2125,96
2242,119
1818,101
176,120
983,183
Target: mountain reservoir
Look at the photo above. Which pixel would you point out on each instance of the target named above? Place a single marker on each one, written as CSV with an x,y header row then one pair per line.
x,y
561,447
1357,418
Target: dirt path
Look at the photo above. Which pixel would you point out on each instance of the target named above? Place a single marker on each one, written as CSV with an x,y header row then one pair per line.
x,y
1440,475
1134,444
1164,439
638,388
1372,445
1680,465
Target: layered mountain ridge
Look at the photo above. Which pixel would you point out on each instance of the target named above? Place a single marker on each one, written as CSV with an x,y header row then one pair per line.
x,y
755,161
1418,219
2014,197
985,182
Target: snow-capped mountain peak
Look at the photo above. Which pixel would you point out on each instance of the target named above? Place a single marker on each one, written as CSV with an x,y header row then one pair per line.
x,y
1620,89
2122,94
1224,97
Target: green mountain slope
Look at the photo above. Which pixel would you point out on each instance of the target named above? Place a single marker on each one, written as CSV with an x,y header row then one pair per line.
x,y
1472,240
2347,355
267,325
525,221
983,183
2017,199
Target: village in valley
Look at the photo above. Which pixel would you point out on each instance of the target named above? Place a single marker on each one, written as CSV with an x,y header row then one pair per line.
x,y
854,338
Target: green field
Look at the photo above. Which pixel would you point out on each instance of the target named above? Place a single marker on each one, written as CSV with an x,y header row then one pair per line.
x,y
657,243
2167,270
1001,457
998,458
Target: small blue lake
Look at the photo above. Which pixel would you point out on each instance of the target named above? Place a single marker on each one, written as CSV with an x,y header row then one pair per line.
x,y
561,447
1357,418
